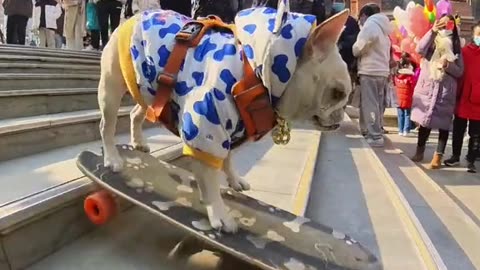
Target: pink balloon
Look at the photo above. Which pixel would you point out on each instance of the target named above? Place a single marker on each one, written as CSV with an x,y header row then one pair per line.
x,y
408,45
421,23
444,7
396,36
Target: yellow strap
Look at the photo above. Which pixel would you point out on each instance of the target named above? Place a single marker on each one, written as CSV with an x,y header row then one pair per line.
x,y
125,33
207,158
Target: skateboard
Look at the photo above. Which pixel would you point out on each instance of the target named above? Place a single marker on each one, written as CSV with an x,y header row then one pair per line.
x,y
268,237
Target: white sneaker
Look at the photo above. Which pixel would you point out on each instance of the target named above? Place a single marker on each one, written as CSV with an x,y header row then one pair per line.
x,y
376,143
406,134
88,48
400,133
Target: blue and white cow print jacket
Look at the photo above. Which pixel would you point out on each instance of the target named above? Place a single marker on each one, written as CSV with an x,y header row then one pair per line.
x,y
208,120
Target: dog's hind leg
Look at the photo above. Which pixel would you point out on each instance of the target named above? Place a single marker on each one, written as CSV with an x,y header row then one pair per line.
x,y
137,116
234,180
111,89
210,179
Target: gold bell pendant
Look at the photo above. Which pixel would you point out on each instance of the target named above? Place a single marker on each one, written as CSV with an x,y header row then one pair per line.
x,y
281,132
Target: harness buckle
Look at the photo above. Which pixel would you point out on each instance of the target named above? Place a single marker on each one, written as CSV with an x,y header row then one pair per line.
x,y
167,79
189,31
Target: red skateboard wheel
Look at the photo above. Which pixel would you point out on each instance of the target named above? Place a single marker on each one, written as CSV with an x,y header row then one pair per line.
x,y
100,207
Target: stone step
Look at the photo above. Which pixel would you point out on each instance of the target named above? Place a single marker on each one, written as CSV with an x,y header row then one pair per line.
x,y
30,135
22,81
26,67
74,60
22,103
35,51
41,199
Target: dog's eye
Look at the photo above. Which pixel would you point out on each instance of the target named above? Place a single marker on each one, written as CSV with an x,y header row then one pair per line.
x,y
338,94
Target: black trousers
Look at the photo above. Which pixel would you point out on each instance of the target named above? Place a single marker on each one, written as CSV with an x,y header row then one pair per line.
x,y
459,128
424,134
108,10
95,39
16,29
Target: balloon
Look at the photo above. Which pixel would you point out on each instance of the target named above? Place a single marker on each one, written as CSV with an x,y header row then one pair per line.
x,y
411,5
429,5
402,18
432,17
408,45
444,7
396,36
421,24
426,13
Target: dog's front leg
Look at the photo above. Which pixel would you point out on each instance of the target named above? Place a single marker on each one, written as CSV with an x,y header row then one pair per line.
x,y
234,180
210,179
137,116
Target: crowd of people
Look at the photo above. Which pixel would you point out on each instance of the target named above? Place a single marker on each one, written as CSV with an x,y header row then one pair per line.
x,y
81,24
447,103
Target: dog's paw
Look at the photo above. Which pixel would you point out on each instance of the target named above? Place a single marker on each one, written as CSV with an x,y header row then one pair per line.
x,y
221,220
238,183
115,163
141,147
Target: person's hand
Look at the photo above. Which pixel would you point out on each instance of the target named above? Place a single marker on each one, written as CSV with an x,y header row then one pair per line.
x,y
439,25
444,63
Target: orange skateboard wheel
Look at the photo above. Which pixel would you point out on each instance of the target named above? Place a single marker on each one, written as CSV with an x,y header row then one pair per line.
x,y
100,207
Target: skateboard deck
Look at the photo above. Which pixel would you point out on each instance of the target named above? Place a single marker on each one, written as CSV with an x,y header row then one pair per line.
x,y
268,237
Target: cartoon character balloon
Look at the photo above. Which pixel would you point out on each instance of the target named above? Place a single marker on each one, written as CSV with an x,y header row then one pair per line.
x,y
444,7
430,11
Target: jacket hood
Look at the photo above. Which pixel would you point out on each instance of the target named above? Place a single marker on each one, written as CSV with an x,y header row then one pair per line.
x,y
473,48
273,41
382,21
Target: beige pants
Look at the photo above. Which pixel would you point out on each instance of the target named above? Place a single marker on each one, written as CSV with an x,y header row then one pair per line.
x,y
74,27
47,37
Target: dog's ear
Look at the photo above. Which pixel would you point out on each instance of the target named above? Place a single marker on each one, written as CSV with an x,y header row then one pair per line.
x,y
326,35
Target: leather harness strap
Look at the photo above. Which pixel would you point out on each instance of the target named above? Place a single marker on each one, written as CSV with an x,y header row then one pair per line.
x,y
160,109
251,97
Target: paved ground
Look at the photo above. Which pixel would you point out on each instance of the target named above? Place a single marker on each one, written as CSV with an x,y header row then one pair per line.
x,y
450,204
350,194
374,194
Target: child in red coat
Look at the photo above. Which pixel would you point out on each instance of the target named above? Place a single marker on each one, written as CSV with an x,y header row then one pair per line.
x,y
468,105
404,82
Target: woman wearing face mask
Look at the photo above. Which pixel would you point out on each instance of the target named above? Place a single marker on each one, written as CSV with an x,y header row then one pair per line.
x,y
468,106
434,99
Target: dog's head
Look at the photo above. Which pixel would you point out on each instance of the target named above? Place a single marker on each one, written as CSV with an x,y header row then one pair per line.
x,y
320,85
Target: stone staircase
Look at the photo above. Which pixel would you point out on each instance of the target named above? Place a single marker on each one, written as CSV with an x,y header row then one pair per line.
x,y
49,114
48,100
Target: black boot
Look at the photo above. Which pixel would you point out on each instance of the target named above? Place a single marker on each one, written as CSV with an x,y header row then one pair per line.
x,y
473,149
471,167
452,161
